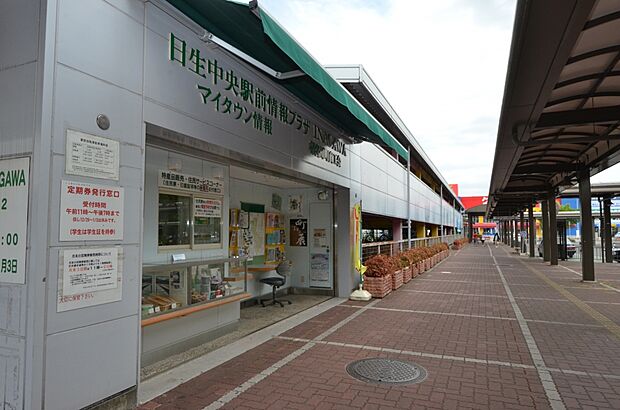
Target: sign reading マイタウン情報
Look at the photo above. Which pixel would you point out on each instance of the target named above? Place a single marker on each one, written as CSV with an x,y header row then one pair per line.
x,y
14,183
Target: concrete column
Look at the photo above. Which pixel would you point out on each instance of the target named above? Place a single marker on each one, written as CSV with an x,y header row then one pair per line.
x,y
521,229
607,230
553,230
545,231
587,229
420,230
532,233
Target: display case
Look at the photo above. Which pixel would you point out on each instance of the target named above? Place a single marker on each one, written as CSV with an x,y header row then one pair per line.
x,y
187,284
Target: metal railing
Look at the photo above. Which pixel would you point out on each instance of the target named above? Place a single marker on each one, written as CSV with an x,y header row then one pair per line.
x,y
394,247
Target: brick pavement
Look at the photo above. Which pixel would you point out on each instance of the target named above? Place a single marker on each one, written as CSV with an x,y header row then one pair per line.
x,y
554,341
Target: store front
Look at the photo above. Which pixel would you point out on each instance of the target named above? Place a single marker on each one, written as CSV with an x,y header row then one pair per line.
x,y
213,229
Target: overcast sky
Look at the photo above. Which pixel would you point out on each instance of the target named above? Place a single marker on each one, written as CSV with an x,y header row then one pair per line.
x,y
441,65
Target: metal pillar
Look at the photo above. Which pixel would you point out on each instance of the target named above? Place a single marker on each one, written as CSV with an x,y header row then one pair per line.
x,y
516,234
532,233
471,227
506,232
587,229
607,230
600,228
545,231
553,230
521,232
409,198
440,208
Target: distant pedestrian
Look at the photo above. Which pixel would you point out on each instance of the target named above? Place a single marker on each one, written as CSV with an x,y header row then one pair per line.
x,y
496,239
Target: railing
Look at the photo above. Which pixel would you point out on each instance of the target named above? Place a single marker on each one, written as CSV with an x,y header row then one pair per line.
x,y
394,247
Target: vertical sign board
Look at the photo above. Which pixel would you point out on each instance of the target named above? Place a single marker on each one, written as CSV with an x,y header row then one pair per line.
x,y
91,212
14,184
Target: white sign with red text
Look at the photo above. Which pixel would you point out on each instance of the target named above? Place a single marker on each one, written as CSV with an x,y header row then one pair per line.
x,y
91,212
89,277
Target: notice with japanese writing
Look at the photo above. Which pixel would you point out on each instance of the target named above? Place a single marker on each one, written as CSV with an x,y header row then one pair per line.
x,y
207,208
319,267
299,232
191,183
89,270
89,277
91,212
91,156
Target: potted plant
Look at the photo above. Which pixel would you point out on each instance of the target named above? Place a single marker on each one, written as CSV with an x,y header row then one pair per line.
x,y
397,272
378,276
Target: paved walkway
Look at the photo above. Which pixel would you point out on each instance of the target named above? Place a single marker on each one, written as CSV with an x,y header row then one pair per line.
x,y
493,329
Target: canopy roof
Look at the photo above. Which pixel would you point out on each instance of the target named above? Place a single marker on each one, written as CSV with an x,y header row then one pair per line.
x,y
251,30
561,108
485,225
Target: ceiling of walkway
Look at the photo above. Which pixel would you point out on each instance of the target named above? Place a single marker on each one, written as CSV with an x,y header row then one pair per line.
x,y
561,109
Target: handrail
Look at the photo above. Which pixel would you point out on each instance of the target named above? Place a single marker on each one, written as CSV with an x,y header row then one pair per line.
x,y
394,247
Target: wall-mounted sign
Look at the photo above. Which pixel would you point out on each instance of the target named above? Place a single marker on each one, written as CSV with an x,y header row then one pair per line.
x,y
89,270
91,212
91,156
207,208
225,91
299,232
89,277
14,184
190,183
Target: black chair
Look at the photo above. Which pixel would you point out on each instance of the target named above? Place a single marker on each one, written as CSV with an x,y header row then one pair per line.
x,y
283,270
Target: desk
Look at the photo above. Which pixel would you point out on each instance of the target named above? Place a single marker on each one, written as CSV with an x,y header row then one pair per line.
x,y
261,268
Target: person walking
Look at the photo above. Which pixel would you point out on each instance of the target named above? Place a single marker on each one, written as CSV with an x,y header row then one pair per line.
x,y
496,239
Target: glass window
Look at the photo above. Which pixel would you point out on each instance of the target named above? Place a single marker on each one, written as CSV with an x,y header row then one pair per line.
x,y
207,221
174,220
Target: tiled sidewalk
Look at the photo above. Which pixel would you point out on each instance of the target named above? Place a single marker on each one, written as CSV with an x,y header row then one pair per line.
x,y
493,330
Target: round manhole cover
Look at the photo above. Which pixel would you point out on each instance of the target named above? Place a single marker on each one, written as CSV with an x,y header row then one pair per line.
x,y
386,371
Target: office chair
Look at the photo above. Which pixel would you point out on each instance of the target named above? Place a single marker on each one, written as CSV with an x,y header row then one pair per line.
x,y
283,270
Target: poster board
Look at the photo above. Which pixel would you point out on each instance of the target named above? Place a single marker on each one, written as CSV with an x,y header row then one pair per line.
x,y
254,237
299,232
86,294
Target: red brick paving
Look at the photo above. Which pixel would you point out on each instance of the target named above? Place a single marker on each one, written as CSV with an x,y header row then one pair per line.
x,y
317,378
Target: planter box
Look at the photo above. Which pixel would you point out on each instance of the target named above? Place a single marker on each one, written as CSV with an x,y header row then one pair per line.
x,y
397,279
407,274
415,270
378,287
428,263
421,267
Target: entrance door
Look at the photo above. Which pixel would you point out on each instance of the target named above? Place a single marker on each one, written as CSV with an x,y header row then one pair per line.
x,y
320,238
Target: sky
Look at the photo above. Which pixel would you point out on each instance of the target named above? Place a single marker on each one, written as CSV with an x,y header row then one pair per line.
x,y
441,65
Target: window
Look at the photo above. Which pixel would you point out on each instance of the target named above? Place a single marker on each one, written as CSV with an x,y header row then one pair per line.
x,y
187,221
174,220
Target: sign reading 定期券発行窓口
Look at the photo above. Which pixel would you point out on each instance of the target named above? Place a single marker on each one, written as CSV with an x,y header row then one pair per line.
x,y
14,183
91,212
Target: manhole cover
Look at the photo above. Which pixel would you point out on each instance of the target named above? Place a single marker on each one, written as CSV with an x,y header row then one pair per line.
x,y
386,371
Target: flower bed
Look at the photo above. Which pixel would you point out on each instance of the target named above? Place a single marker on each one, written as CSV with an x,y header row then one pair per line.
x,y
378,276
397,279
407,274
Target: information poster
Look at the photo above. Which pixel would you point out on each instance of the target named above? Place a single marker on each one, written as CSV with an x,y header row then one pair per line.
x,y
91,212
190,183
89,288
207,208
257,232
89,270
92,156
319,267
299,232
319,238
14,185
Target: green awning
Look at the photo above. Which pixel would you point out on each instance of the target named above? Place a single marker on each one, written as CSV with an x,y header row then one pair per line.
x,y
267,42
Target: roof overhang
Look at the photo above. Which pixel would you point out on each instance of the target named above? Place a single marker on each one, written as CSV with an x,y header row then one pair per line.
x,y
606,190
359,83
251,34
561,107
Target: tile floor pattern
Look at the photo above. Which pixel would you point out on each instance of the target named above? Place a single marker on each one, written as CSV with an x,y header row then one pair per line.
x,y
460,324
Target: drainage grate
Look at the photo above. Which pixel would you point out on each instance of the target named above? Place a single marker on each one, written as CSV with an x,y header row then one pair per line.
x,y
386,371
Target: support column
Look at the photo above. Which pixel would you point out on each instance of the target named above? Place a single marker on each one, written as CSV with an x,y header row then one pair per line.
x,y
607,230
600,228
545,230
532,233
521,232
587,229
470,228
409,197
506,233
516,234
553,230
